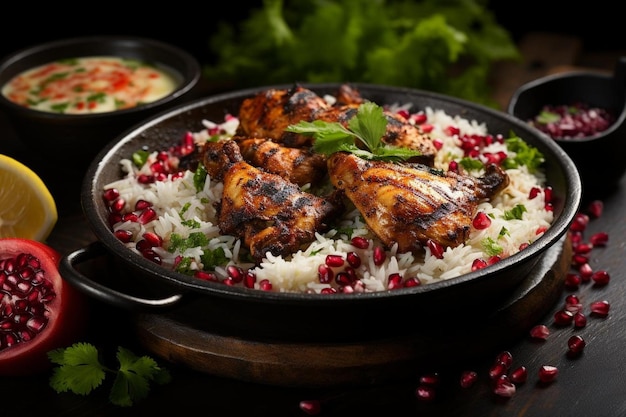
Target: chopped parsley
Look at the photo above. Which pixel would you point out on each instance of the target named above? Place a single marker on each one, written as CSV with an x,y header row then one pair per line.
x,y
194,240
491,247
516,213
524,155
199,177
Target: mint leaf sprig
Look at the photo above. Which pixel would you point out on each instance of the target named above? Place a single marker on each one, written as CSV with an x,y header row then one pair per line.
x,y
81,371
363,137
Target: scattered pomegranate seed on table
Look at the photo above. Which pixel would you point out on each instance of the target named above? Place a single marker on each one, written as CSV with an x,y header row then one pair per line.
x,y
505,378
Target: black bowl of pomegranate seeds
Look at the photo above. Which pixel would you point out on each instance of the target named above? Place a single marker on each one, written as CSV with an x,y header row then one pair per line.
x,y
584,112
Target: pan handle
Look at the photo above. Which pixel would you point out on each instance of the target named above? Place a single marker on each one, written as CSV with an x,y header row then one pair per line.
x,y
102,292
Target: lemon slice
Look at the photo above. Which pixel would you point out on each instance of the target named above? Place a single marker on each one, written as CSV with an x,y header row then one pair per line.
x,y
27,209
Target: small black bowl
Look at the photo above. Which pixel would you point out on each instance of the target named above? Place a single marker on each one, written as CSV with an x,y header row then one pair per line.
x,y
77,138
598,158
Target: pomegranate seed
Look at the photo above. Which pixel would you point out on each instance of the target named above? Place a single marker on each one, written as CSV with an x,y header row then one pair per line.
x,y
153,239
204,275
435,249
379,255
118,205
578,259
425,393
452,130
152,256
147,216
142,205
519,375
585,272
504,387
575,344
599,239
419,118
468,379
325,274
595,208
601,277
394,281
481,221
600,308
123,235
249,279
540,331
547,194
534,192
145,179
235,273
334,261
343,279
430,379
311,407
427,128
505,358
497,370
453,166
111,194
572,281
563,317
548,373
583,248
478,264
360,242
353,259
572,303
265,285
580,320
130,217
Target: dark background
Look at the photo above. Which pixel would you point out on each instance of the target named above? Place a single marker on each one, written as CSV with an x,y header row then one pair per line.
x,y
190,25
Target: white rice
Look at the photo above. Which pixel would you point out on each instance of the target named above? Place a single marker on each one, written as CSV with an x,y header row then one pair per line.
x,y
176,201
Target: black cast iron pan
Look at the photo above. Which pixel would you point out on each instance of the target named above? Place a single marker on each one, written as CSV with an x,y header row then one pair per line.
x,y
299,316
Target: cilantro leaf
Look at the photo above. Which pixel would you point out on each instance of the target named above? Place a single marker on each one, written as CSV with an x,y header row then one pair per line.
x,y
132,382
362,137
81,371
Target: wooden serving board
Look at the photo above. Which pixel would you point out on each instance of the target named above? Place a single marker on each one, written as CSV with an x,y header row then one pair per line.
x,y
360,362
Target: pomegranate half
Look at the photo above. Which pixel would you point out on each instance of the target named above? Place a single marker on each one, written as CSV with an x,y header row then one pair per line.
x,y
39,311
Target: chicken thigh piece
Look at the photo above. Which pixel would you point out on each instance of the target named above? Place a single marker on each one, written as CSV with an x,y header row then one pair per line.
x,y
298,165
268,212
409,204
267,114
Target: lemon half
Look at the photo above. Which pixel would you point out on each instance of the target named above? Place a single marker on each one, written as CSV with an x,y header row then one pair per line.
x,y
27,209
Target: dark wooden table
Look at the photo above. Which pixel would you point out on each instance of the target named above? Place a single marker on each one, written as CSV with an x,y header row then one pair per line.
x,y
589,385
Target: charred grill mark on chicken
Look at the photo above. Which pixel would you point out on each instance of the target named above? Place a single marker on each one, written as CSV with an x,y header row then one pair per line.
x,y
408,204
269,213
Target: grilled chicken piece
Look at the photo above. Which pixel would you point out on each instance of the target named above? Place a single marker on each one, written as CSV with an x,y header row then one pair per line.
x,y
410,204
268,212
298,165
348,96
267,114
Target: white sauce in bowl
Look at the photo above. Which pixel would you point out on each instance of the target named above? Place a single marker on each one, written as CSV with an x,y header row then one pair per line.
x,y
89,85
